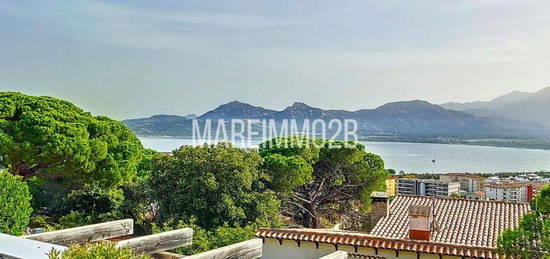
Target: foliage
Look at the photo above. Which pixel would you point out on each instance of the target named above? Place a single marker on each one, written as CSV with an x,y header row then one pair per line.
x,y
531,239
145,166
205,240
319,177
47,137
217,184
49,192
91,204
96,251
15,206
543,201
42,221
287,173
139,205
455,196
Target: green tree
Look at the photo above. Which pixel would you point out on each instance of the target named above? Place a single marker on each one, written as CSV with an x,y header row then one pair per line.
x,y
96,251
139,205
318,177
531,239
91,204
216,184
15,206
47,137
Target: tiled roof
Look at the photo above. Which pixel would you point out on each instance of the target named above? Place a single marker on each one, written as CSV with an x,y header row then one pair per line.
x,y
352,255
456,221
464,175
357,239
510,185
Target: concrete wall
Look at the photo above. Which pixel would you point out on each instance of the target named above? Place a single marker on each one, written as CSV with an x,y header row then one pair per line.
x,y
501,194
307,250
391,186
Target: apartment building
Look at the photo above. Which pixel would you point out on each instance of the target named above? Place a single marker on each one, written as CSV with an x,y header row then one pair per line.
x,y
469,183
513,191
427,187
391,185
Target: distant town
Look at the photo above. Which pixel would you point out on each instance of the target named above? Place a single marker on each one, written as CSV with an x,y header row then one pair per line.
x,y
520,188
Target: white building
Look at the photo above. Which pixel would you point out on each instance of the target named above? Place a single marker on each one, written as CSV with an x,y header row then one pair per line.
x,y
492,180
468,182
427,187
514,192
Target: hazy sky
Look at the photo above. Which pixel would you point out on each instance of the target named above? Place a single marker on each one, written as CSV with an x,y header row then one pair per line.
x,y
138,58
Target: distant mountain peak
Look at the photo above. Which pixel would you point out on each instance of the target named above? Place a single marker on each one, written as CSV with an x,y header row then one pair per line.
x,y
168,116
237,109
408,105
235,104
516,105
405,118
299,106
544,90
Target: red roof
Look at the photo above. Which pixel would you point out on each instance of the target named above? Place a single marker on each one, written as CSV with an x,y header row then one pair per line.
x,y
356,239
462,227
456,221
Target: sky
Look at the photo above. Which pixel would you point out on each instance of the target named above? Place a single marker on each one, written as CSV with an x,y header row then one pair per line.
x,y
129,59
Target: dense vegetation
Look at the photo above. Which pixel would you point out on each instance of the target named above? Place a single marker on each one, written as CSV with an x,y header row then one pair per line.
x,y
82,169
15,206
96,251
216,184
47,137
317,178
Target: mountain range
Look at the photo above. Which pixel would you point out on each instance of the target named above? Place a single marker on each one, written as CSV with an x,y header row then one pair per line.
x,y
518,106
408,118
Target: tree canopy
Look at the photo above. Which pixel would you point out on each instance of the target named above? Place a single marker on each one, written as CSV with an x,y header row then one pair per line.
x,y
531,239
48,137
15,206
216,184
317,177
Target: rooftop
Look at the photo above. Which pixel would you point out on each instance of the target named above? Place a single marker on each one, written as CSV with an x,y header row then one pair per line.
x,y
510,185
464,175
456,221
462,227
356,239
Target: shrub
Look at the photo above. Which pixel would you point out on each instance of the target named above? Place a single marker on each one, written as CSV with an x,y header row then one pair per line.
x,y
88,205
15,204
96,251
205,240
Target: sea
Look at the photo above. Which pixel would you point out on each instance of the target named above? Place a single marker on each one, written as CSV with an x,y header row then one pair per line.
x,y
422,157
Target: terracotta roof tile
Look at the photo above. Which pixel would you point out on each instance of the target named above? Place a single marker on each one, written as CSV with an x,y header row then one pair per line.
x,y
350,238
456,221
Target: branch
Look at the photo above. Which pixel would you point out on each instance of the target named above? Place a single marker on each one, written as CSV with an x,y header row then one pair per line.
x,y
300,198
302,208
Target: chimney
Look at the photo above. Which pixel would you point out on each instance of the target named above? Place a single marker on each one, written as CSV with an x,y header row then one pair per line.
x,y
379,206
420,222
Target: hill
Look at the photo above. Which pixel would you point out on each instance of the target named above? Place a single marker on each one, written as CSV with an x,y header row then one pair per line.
x,y
408,118
516,106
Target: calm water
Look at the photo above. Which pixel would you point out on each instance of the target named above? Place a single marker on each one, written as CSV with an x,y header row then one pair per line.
x,y
417,157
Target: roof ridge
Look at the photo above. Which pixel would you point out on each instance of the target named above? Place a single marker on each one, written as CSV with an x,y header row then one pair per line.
x,y
365,235
458,199
366,240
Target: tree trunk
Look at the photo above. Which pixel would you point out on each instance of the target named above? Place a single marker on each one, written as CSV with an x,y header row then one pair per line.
x,y
28,172
314,223
24,171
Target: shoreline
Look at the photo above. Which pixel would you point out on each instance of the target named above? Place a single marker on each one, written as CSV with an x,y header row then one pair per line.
x,y
450,141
